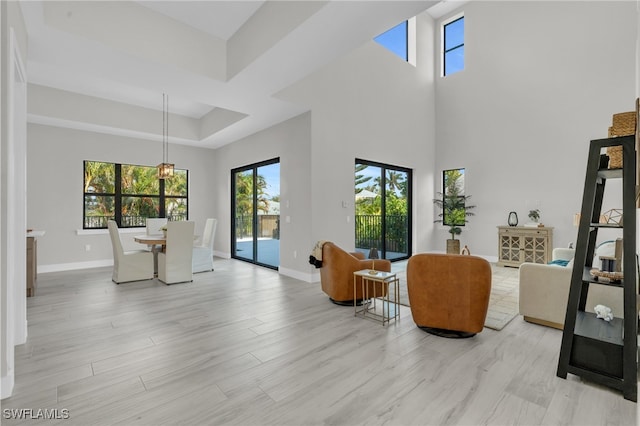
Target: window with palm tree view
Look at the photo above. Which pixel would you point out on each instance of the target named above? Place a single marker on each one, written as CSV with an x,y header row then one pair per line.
x,y
382,210
256,221
130,194
453,202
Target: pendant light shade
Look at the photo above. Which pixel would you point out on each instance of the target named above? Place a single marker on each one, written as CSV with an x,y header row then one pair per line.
x,y
165,169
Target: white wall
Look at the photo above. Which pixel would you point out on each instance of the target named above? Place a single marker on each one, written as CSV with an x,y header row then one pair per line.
x,y
55,176
372,105
541,80
13,321
290,141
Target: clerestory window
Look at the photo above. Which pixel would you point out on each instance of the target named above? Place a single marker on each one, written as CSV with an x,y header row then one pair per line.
x,y
453,46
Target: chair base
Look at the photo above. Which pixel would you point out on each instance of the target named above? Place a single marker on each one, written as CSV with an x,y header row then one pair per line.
x,y
346,302
450,334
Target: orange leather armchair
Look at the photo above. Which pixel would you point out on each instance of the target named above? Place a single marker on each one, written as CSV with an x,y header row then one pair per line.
x,y
449,293
336,273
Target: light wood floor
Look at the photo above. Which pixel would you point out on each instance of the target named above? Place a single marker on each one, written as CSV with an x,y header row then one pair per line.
x,y
246,346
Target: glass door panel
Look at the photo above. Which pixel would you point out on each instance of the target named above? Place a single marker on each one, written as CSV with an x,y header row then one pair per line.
x,y
257,213
368,204
396,208
244,214
268,212
383,210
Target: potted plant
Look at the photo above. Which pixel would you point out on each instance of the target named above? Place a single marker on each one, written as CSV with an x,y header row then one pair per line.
x,y
534,217
454,212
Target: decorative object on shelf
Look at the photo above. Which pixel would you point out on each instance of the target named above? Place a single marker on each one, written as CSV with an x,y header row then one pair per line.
x,y
608,263
513,219
604,276
576,219
612,217
623,124
466,251
454,208
165,169
603,312
534,217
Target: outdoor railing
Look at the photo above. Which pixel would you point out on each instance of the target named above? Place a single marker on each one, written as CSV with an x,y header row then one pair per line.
x,y
99,222
368,230
268,226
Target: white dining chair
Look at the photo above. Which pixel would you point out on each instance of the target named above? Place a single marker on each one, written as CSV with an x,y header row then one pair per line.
x,y
174,265
135,265
203,251
154,225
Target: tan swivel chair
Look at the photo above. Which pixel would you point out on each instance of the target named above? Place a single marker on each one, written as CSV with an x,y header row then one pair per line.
x,y
174,265
449,293
336,273
128,266
203,252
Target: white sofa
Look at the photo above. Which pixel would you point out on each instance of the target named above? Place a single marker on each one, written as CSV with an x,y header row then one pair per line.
x,y
544,291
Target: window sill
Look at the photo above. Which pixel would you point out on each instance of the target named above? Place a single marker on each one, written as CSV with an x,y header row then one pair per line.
x,y
106,231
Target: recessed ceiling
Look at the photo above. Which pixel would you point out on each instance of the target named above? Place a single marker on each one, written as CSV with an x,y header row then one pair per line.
x,y
220,62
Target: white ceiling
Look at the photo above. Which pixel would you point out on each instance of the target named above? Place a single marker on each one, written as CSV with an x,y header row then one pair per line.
x,y
66,55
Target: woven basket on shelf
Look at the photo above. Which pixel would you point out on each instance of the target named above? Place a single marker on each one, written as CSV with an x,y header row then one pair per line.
x,y
615,157
624,124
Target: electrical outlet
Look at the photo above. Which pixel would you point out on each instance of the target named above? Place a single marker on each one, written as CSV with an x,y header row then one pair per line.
x,y
295,254
87,247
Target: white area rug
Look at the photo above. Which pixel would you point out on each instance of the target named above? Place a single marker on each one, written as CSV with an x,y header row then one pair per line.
x,y
503,302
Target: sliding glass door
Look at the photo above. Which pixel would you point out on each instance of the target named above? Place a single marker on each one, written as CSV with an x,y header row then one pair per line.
x,y
256,213
383,210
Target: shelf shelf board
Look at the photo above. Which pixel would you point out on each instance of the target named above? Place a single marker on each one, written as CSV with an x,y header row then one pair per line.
x,y
587,325
587,277
610,173
606,225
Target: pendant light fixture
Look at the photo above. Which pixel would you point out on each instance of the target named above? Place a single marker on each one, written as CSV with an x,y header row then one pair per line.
x,y
165,169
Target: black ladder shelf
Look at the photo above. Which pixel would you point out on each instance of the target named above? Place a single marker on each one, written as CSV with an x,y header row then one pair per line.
x,y
600,351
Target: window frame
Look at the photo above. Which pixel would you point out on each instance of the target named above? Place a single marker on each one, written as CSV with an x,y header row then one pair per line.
x,y
445,51
460,196
405,56
118,196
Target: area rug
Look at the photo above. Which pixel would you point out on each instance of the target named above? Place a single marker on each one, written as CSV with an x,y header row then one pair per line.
x,y
503,302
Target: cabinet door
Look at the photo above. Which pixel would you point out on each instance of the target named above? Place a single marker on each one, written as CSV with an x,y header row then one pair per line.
x,y
510,248
535,248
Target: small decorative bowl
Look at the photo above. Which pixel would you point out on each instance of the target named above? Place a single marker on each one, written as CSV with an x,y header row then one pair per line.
x,y
373,272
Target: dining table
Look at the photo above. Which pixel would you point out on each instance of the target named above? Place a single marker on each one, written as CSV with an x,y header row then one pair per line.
x,y
157,243
151,240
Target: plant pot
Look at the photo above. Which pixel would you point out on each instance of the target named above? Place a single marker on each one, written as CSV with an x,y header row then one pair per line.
x,y
453,246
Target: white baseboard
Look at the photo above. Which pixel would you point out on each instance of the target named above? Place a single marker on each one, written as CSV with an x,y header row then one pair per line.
x,y
221,254
6,386
302,276
73,266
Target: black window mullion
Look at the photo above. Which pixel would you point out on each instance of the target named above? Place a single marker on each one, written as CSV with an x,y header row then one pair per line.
x,y
383,212
162,210
255,214
118,195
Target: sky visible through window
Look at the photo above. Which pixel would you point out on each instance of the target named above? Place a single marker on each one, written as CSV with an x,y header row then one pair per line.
x,y
454,46
395,40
